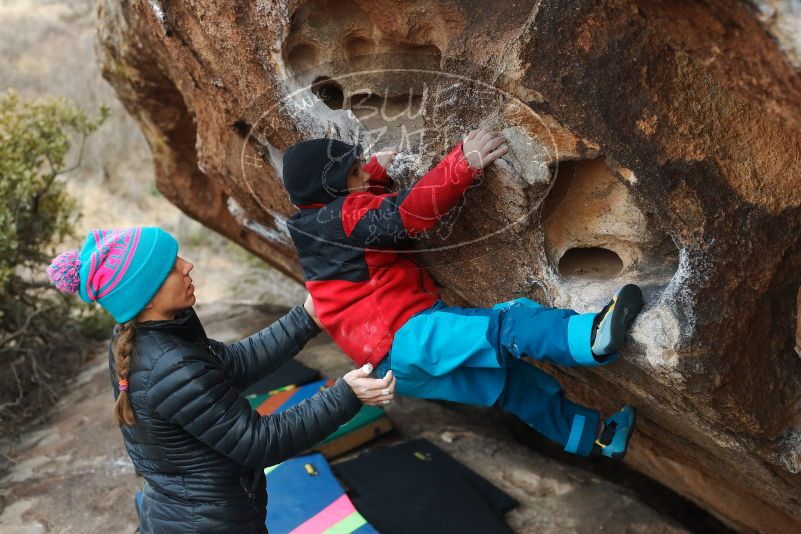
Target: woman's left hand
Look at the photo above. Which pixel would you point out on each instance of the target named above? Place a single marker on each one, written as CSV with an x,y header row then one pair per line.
x,y
371,391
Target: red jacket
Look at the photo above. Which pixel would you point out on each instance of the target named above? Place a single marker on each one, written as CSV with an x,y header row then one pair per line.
x,y
364,285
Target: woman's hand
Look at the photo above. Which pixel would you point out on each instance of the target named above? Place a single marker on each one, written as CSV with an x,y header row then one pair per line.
x,y
482,147
371,391
309,306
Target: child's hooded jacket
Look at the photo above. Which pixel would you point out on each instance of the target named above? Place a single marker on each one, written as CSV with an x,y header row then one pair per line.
x,y
364,285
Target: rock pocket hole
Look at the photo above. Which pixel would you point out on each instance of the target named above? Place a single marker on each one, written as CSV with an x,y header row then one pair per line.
x,y
594,229
329,91
304,56
590,262
359,46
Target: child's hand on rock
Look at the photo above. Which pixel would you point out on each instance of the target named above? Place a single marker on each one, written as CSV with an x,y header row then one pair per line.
x,y
482,147
385,155
371,391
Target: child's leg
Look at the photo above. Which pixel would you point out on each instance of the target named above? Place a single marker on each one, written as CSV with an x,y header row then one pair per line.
x,y
538,400
522,327
433,344
436,342
444,353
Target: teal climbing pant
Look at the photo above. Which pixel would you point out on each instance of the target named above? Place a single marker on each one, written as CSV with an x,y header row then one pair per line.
x,y
473,356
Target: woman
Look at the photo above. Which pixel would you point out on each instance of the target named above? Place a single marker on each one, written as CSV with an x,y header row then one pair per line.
x,y
197,443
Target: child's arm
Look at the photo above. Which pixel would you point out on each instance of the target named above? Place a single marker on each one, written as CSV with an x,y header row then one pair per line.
x,y
386,220
377,168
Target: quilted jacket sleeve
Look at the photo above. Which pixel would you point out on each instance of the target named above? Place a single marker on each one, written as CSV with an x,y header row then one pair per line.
x,y
189,390
247,361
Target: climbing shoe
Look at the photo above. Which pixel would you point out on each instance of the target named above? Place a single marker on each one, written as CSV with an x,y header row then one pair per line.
x,y
611,324
614,438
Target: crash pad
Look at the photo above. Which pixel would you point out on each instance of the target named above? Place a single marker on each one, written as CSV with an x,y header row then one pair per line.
x,y
417,487
304,497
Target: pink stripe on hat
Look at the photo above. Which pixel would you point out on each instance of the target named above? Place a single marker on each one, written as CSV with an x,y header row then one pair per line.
x,y
110,261
127,256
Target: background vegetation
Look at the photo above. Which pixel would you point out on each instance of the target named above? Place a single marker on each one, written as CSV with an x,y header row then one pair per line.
x,y
40,329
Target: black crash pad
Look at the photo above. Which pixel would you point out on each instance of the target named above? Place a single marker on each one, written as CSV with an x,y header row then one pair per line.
x,y
417,487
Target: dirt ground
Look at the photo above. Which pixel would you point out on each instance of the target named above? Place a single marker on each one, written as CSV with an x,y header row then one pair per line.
x,y
72,474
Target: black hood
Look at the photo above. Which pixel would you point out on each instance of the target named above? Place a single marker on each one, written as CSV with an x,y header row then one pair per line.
x,y
316,171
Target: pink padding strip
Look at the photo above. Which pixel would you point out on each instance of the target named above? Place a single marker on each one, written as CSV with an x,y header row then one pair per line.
x,y
327,517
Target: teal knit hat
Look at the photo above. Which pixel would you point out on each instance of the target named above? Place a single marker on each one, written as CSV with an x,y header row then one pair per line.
x,y
120,269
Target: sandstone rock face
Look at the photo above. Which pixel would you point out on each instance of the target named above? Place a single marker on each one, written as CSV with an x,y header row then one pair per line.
x,y
652,142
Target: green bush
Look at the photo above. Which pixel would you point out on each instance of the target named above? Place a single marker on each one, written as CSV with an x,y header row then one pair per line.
x,y
40,329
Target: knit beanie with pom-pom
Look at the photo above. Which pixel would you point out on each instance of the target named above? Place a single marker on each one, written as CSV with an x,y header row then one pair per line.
x,y
119,269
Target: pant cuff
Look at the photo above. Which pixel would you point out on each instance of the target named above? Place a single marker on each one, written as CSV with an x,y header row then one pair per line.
x,y
579,333
583,432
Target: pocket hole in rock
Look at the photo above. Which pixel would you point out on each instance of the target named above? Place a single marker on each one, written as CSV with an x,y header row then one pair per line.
x,y
304,56
359,46
590,262
329,91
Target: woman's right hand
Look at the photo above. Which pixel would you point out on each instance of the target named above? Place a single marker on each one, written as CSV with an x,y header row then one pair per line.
x,y
371,391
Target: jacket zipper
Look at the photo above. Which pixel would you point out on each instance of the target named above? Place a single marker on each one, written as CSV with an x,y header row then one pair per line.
x,y
214,354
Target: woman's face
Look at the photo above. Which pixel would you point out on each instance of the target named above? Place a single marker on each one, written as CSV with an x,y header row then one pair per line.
x,y
176,293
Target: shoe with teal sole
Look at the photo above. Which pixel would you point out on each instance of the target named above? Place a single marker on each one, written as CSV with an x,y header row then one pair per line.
x,y
614,439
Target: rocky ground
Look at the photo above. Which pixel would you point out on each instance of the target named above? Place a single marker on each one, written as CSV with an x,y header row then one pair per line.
x,y
72,475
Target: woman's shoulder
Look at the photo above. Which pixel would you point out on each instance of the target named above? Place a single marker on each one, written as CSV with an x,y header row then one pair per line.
x,y
153,345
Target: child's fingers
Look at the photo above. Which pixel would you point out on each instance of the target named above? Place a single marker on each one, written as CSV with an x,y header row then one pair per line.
x,y
497,153
493,143
483,135
471,135
478,135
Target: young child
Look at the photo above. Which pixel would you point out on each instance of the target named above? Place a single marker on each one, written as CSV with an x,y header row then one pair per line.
x,y
382,308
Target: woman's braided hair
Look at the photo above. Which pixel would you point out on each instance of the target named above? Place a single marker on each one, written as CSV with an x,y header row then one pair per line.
x,y
123,351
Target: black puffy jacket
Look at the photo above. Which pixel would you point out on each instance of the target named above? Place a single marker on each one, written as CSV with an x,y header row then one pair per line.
x,y
199,446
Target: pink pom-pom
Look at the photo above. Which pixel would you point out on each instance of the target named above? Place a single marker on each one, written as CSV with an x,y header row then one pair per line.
x,y
64,272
